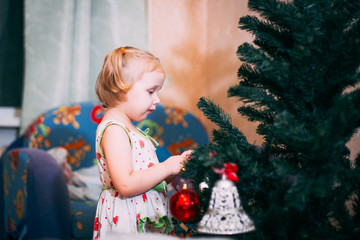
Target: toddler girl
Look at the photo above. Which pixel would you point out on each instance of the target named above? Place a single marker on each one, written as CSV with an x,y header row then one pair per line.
x,y
134,195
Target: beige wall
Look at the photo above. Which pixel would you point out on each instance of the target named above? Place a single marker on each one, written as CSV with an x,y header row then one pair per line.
x,y
197,42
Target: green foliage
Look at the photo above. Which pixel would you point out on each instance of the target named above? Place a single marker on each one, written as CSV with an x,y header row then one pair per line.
x,y
297,80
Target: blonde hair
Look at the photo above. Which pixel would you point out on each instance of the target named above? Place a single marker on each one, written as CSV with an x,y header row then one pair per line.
x,y
122,67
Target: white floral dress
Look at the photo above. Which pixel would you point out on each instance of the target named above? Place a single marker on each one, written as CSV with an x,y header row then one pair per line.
x,y
147,212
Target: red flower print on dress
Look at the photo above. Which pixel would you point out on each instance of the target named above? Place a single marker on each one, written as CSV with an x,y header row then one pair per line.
x,y
127,129
115,220
150,164
137,219
98,156
102,200
144,197
96,224
141,142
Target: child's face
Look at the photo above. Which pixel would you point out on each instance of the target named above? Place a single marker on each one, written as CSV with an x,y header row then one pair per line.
x,y
143,97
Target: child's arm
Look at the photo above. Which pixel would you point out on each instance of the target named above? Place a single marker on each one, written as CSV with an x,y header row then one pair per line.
x,y
117,150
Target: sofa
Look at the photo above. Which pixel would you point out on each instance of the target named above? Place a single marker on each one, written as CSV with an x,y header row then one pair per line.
x,y
49,173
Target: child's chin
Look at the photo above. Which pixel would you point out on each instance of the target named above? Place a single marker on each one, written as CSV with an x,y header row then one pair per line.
x,y
141,118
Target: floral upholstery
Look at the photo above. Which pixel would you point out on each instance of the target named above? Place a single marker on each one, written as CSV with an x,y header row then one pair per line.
x,y
33,188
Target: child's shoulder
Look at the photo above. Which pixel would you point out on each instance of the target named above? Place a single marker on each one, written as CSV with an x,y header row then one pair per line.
x,y
105,123
113,133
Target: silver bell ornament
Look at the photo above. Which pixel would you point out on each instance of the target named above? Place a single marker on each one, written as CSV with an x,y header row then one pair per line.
x,y
225,215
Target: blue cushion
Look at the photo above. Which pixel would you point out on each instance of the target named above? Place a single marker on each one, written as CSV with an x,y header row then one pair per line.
x,y
72,127
82,219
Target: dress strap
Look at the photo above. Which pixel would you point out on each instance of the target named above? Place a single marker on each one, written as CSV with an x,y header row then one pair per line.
x,y
102,128
161,187
107,187
146,134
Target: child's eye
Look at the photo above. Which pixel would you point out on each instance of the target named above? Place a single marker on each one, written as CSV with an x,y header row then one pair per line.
x,y
151,91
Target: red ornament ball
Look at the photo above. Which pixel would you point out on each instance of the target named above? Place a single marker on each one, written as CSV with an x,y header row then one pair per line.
x,y
185,205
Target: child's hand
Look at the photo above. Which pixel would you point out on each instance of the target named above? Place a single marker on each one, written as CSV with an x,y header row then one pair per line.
x,y
187,154
175,163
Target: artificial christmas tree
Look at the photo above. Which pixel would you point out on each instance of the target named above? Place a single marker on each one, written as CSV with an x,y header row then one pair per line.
x,y
298,81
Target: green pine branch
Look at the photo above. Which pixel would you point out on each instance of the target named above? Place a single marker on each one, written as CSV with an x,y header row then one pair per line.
x,y
254,115
257,97
215,114
269,37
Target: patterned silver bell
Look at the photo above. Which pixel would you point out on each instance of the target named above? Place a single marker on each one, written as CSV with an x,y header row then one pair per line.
x,y
225,215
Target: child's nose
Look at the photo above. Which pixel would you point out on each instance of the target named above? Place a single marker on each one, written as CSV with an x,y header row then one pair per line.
x,y
156,99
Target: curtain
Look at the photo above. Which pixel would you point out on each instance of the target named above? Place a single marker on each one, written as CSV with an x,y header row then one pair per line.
x,y
65,45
